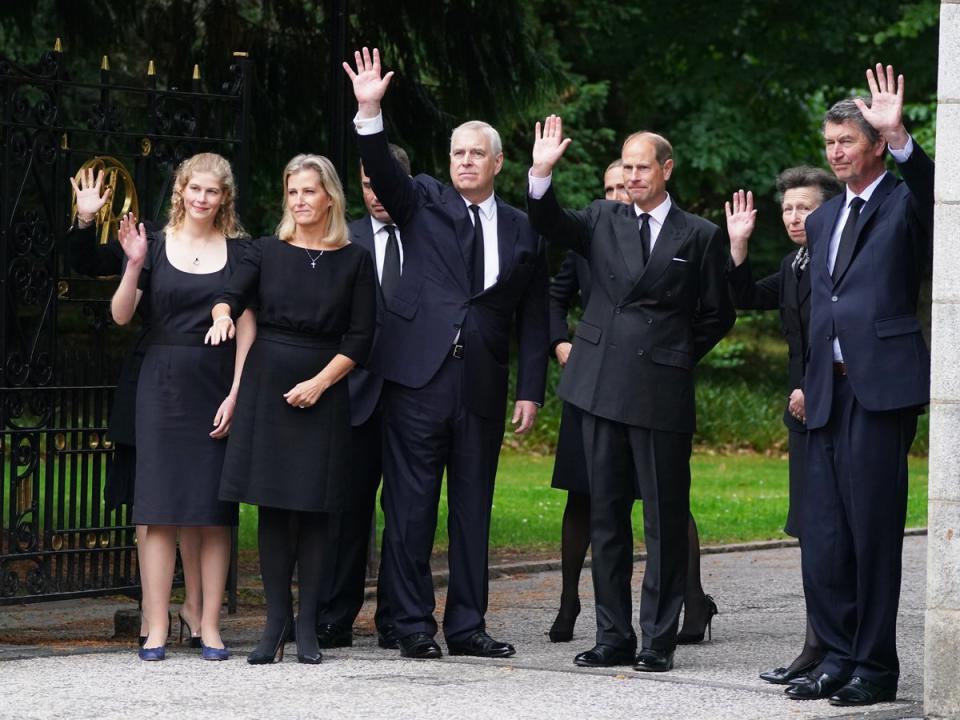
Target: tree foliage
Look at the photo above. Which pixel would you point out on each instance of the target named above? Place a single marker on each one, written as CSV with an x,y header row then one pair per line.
x,y
738,88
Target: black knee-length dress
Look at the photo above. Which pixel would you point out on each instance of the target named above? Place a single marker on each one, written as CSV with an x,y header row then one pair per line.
x,y
181,385
309,309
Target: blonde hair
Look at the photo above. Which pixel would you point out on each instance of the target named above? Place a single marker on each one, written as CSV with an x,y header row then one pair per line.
x,y
226,220
337,233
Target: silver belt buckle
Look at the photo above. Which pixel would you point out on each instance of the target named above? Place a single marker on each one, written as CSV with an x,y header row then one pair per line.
x,y
458,351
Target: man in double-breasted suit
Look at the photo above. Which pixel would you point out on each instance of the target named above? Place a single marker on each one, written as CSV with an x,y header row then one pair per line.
x,y
350,531
867,378
476,273
658,303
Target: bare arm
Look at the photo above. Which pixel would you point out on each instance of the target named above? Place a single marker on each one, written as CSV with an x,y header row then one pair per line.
x,y
133,239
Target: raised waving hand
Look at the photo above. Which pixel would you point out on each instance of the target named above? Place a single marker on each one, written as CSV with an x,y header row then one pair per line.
x,y
548,145
741,219
133,240
885,113
89,199
369,86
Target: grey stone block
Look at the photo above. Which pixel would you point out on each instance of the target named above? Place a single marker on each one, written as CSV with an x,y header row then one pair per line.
x,y
944,456
947,186
948,75
943,556
945,367
941,691
946,253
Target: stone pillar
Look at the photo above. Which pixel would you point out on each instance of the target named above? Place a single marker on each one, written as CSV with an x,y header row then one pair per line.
x,y
941,695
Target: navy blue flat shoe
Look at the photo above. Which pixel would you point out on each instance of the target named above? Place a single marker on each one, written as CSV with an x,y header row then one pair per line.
x,y
152,654
212,653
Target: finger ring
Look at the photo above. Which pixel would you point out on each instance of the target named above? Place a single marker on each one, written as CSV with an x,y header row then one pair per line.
x,y
301,406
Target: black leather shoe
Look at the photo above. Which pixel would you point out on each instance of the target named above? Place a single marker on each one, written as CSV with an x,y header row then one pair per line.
x,y
862,692
387,640
419,646
815,688
650,660
334,636
481,645
786,675
604,656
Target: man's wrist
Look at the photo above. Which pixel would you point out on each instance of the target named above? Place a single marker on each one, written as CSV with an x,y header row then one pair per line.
x,y
541,171
367,110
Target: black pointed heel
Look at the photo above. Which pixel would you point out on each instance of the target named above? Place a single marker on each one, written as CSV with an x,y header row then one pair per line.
x,y
194,640
269,650
562,628
690,637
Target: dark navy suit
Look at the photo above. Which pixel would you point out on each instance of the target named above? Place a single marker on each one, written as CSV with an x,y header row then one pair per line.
x,y
861,424
443,412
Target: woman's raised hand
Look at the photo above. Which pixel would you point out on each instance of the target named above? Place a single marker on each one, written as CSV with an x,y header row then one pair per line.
x,y
89,198
133,239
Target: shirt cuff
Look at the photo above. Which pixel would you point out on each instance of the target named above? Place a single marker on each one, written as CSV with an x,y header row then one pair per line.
x,y
368,126
904,153
538,186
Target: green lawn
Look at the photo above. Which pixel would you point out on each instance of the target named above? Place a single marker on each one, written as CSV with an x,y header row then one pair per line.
x,y
734,498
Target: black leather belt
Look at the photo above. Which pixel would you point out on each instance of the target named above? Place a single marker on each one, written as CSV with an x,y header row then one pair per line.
x,y
457,351
840,369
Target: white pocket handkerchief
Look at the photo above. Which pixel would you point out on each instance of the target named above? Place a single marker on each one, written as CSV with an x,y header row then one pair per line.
x,y
681,260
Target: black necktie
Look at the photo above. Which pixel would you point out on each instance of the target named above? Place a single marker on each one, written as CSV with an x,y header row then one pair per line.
x,y
390,275
645,236
476,260
847,239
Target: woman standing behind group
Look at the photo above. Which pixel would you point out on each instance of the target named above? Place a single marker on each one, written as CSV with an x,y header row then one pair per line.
x,y
289,447
186,392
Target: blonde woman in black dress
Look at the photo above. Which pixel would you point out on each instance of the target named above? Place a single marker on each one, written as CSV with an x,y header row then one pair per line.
x,y
186,392
290,443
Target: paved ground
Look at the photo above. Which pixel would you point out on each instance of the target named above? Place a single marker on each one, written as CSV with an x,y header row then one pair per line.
x,y
58,662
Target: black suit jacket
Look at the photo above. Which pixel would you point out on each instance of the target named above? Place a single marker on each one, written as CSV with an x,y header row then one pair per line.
x,y
433,300
638,341
791,295
872,304
365,386
571,280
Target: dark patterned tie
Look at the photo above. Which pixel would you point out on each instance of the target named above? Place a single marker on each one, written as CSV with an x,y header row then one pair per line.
x,y
645,237
848,239
390,275
476,260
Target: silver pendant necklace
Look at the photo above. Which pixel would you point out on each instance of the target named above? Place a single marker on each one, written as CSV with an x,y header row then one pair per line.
x,y
313,260
196,260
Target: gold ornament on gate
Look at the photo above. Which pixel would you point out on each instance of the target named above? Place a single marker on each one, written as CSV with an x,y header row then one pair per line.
x,y
123,195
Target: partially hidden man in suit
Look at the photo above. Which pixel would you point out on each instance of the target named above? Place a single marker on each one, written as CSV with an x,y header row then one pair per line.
x,y
658,304
802,190
867,379
350,531
475,271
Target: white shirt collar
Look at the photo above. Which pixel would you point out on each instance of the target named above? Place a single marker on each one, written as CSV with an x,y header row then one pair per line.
x,y
659,213
487,207
867,191
377,225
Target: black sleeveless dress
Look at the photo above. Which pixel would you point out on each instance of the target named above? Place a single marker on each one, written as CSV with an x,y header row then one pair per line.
x,y
309,309
182,384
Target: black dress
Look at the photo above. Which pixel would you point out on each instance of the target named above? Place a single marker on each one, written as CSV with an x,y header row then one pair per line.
x,y
279,455
182,384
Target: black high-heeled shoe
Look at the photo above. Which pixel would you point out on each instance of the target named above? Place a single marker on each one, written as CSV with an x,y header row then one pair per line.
x,y
308,648
194,639
689,637
269,650
562,628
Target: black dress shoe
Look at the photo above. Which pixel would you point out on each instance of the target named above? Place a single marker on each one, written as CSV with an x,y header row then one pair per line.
x,y
815,688
481,645
784,676
419,646
387,640
334,636
650,660
604,656
862,692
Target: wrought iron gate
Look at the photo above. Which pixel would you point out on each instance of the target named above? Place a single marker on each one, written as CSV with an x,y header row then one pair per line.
x,y
60,353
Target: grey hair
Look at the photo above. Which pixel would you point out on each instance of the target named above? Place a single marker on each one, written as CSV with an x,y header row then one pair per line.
x,y
493,137
847,110
806,176
615,164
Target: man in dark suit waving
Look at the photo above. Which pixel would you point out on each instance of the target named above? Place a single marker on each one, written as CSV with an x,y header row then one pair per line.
x,y
658,304
350,531
867,378
476,272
